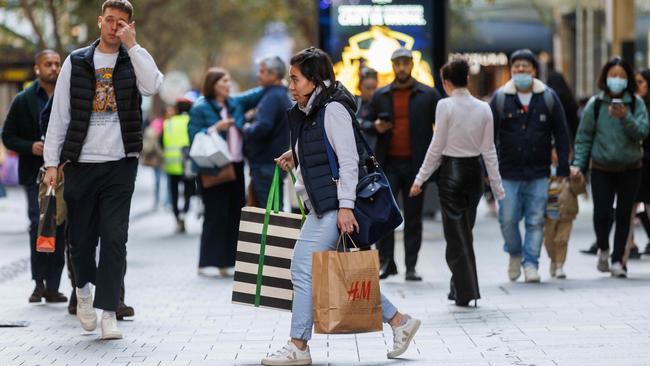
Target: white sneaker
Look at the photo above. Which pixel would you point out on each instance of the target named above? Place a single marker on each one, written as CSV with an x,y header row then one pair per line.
x,y
514,268
603,261
617,270
531,275
553,269
109,328
289,355
559,271
402,336
86,313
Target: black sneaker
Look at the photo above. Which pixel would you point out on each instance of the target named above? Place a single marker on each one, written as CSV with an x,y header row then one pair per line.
x,y
593,250
411,275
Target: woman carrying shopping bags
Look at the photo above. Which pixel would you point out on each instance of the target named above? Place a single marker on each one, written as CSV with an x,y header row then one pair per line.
x,y
218,111
464,133
314,87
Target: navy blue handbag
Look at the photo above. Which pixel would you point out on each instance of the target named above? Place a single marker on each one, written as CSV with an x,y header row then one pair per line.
x,y
375,208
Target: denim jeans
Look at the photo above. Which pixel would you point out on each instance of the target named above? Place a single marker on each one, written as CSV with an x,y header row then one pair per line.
x,y
317,235
524,199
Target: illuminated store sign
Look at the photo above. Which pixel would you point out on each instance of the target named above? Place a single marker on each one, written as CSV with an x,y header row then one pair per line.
x,y
364,33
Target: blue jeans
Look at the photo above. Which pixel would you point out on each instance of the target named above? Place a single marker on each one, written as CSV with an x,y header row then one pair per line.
x,y
317,235
524,199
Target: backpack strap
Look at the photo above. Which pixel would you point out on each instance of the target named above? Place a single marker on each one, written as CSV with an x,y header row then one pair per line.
x,y
549,100
597,103
501,102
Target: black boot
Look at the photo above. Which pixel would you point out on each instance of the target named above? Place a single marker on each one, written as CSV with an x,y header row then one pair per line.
x,y
388,268
411,275
37,294
72,305
123,310
647,249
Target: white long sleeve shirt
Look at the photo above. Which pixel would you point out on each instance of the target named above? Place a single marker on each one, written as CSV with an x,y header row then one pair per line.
x,y
104,138
464,128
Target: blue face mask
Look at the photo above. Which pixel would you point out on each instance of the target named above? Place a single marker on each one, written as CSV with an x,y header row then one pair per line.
x,y
616,85
522,81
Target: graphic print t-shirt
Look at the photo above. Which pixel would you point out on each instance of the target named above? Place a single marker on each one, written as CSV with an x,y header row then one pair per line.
x,y
104,138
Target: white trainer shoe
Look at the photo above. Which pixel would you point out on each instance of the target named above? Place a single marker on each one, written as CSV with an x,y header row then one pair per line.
x,y
559,271
531,275
514,268
289,355
617,270
109,328
86,313
603,261
402,337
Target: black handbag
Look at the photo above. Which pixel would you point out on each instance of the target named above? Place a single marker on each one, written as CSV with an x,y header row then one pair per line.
x,y
375,208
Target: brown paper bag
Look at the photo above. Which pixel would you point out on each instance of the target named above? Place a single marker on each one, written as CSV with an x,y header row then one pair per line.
x,y
345,292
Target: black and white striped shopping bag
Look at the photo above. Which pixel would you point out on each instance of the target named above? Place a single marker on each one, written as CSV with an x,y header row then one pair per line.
x,y
265,281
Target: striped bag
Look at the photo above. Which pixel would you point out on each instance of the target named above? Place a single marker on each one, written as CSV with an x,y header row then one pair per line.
x,y
264,252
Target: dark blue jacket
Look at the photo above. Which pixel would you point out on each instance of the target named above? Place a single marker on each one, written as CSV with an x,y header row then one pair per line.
x,y
524,141
268,136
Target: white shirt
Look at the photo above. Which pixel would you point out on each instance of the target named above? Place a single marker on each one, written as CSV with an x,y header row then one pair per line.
x,y
104,137
525,98
464,128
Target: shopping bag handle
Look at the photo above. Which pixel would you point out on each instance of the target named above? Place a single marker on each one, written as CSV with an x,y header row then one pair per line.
x,y
343,237
300,205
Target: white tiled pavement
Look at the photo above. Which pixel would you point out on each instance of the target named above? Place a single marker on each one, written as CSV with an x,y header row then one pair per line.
x,y
182,319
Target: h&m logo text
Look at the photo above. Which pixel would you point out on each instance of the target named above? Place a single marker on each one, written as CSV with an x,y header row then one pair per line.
x,y
354,293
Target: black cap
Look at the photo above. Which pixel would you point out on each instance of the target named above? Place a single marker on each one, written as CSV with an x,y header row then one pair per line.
x,y
524,54
401,52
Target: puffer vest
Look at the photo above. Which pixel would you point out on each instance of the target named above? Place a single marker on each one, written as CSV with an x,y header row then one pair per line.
x,y
82,94
309,132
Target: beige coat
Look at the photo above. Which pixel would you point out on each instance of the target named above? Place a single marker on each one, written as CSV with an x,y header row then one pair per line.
x,y
568,199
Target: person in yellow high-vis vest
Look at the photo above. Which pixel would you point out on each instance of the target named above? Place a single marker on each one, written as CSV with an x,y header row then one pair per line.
x,y
175,141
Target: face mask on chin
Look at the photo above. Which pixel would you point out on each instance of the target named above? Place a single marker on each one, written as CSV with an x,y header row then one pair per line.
x,y
522,81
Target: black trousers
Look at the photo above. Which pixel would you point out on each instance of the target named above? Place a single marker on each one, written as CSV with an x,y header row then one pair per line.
x,y
401,175
222,209
460,186
606,186
189,187
98,196
46,267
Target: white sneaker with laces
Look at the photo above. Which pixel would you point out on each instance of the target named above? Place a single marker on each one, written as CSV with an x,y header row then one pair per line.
x,y
618,270
559,272
109,328
289,355
603,261
531,275
86,313
514,268
402,337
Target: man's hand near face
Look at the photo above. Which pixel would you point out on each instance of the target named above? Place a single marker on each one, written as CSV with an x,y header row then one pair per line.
x,y
127,33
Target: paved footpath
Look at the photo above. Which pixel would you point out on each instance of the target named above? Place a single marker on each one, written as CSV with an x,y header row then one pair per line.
x,y
183,319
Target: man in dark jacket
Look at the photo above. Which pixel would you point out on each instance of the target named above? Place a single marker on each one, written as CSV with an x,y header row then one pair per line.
x,y
403,113
528,118
268,135
23,135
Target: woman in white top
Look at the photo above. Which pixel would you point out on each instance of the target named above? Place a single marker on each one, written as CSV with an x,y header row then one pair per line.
x,y
464,133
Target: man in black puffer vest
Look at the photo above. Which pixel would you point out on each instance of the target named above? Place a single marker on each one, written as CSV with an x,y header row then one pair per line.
x,y
95,132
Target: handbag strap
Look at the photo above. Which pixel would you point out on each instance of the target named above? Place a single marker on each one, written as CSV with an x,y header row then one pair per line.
x,y
331,155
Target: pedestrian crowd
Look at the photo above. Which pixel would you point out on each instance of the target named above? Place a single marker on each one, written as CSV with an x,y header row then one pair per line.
x,y
78,129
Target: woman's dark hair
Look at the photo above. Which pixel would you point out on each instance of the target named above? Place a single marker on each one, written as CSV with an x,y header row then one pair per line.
x,y
213,76
456,71
645,74
367,73
617,61
316,66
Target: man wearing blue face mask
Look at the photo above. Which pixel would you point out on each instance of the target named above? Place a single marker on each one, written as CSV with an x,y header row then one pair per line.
x,y
529,121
